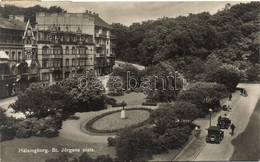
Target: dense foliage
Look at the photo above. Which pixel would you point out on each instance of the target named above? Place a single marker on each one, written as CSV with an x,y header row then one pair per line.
x,y
38,101
231,34
82,158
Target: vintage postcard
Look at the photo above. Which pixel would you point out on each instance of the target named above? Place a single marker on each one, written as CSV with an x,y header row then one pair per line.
x,y
129,81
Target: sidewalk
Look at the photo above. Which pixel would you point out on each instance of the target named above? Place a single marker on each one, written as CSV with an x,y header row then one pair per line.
x,y
192,150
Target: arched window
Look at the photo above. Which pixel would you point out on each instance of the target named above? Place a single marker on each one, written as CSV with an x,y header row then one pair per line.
x,y
13,55
74,63
19,56
74,51
45,50
67,50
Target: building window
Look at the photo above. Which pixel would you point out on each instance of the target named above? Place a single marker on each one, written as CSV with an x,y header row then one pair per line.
x,y
45,50
56,63
44,63
67,62
13,55
74,63
67,50
82,62
57,50
45,76
82,51
107,51
74,51
19,56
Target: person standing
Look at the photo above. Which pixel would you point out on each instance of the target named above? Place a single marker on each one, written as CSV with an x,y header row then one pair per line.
x,y
197,131
123,103
232,127
230,97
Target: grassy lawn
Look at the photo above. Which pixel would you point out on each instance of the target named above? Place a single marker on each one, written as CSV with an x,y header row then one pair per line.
x,y
10,153
113,121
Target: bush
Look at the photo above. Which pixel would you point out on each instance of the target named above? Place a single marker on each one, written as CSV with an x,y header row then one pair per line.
x,y
149,104
119,104
104,158
7,133
44,127
110,101
111,141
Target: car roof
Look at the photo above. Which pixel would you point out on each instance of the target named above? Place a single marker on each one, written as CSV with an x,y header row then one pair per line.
x,y
214,128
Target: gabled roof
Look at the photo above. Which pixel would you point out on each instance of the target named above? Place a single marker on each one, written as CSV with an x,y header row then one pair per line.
x,y
99,22
12,24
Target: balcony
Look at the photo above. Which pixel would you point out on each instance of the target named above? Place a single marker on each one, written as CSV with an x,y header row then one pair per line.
x,y
55,68
55,56
100,55
100,35
100,45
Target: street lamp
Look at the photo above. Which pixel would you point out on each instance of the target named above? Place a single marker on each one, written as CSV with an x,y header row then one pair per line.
x,y
210,111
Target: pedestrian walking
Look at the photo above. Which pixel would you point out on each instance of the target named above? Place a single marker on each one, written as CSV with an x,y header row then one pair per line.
x,y
230,97
232,127
241,91
245,93
197,131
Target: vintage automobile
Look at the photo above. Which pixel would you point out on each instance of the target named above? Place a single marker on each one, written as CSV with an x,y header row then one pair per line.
x,y
224,122
226,108
215,134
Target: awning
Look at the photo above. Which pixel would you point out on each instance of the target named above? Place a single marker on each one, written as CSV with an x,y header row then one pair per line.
x,y
18,64
3,55
29,62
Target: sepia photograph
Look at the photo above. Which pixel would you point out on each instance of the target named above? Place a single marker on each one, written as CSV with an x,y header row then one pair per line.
x,y
129,81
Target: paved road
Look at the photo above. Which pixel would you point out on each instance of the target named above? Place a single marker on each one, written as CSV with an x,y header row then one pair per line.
x,y
242,109
247,143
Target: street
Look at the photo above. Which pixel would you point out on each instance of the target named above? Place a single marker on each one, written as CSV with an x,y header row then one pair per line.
x,y
242,109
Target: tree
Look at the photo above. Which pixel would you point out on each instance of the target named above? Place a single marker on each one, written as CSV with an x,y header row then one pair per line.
x,y
163,118
133,144
204,95
85,157
253,73
40,102
185,112
224,76
164,82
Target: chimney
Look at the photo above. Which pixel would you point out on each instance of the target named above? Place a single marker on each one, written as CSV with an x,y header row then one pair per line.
x,y
89,12
86,11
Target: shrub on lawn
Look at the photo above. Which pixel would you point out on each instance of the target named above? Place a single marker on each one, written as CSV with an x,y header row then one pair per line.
x,y
110,101
7,132
111,141
43,127
149,104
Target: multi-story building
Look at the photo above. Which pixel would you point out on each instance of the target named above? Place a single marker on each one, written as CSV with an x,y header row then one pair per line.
x,y
19,45
59,46
73,43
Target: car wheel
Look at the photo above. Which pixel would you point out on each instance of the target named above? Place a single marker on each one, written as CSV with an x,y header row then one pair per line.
x,y
212,138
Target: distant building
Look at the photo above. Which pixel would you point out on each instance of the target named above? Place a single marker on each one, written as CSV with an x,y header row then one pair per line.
x,y
73,43
59,46
18,43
